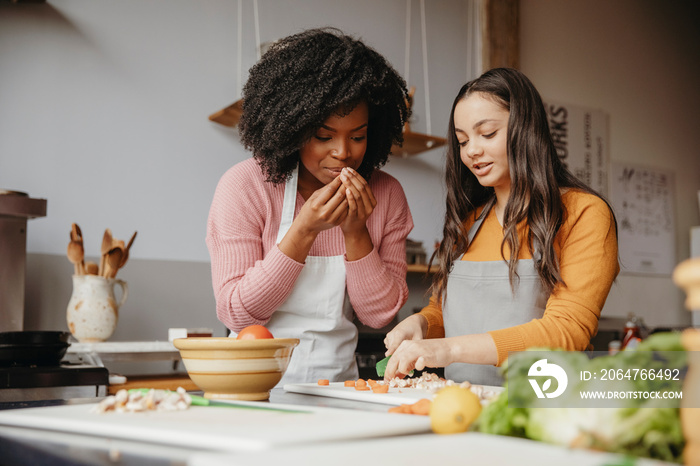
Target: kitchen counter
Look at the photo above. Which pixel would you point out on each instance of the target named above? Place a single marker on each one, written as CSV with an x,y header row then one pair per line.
x,y
30,447
23,446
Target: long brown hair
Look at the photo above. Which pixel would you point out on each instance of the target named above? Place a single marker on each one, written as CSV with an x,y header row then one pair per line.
x,y
537,177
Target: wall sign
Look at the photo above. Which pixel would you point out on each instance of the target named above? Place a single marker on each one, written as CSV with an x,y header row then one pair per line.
x,y
581,137
643,199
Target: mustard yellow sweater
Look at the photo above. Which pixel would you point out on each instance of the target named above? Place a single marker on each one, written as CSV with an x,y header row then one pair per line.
x,y
586,246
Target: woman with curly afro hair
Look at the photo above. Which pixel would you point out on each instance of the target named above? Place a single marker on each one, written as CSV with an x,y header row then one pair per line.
x,y
310,219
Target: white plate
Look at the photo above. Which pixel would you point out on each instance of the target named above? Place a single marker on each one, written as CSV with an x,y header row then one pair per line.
x,y
395,396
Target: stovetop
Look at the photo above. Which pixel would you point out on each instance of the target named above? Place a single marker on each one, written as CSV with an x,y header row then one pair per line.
x,y
52,376
65,381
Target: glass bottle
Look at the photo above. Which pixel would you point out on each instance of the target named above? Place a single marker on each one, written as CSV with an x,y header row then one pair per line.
x,y
632,334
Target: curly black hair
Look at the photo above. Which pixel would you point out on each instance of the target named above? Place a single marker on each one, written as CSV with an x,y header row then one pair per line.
x,y
305,78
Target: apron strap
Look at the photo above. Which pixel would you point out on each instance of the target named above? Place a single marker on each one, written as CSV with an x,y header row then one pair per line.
x,y
477,224
289,205
536,254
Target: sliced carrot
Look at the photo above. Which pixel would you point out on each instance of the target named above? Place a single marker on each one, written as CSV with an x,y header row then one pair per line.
x,y
421,407
362,388
349,383
372,382
380,388
360,383
401,409
323,382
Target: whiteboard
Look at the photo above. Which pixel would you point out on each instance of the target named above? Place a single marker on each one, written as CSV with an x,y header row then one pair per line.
x,y
643,199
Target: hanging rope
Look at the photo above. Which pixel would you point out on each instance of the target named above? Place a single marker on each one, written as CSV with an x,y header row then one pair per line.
x,y
256,20
239,49
257,28
407,52
425,66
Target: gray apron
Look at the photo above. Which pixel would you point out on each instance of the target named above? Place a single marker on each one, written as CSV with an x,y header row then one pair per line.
x,y
480,299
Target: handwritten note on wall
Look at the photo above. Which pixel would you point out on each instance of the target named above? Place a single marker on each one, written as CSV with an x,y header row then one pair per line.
x,y
643,199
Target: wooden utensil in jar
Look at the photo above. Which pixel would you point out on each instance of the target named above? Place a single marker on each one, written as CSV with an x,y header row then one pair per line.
x,y
76,235
76,255
91,268
104,250
112,268
114,258
125,257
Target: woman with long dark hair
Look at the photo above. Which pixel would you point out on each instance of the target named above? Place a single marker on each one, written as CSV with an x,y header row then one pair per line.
x,y
529,252
311,219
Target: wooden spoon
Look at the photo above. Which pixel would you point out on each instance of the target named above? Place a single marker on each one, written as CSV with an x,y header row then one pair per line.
x,y
125,257
104,250
114,258
116,244
76,233
75,255
91,268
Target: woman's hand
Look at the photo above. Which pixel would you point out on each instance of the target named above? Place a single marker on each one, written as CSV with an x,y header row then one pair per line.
x,y
361,201
324,209
361,204
411,328
418,354
439,352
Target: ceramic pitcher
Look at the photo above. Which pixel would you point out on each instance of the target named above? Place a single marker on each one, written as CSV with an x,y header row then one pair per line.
x,y
93,310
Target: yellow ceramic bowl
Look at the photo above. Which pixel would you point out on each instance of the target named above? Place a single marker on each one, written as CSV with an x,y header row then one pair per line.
x,y
230,369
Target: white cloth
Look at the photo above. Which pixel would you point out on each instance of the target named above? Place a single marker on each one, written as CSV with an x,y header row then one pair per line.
x,y
315,312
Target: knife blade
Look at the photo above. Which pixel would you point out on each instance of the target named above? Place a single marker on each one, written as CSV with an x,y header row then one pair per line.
x,y
381,367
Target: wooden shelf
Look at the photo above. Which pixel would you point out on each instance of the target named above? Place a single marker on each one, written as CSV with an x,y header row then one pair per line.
x,y
421,268
229,116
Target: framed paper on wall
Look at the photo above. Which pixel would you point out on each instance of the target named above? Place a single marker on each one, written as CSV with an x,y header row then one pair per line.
x,y
643,199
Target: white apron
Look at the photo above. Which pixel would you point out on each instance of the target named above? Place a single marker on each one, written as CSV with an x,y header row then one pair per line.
x,y
315,312
480,299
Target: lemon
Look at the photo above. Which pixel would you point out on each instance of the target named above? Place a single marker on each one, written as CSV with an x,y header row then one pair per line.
x,y
453,410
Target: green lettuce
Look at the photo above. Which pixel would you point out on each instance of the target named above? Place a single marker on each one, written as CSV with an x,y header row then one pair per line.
x,y
641,428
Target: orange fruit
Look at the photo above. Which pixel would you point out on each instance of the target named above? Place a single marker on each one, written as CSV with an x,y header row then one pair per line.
x,y
453,410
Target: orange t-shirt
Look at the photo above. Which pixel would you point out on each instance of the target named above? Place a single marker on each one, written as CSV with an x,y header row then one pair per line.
x,y
586,246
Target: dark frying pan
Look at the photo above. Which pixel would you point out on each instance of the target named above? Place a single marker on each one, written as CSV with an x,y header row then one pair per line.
x,y
33,348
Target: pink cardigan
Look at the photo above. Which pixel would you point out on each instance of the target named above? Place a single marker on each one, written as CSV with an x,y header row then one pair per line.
x,y
252,277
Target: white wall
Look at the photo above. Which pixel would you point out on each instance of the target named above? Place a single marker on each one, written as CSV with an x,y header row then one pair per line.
x,y
104,111
639,61
105,104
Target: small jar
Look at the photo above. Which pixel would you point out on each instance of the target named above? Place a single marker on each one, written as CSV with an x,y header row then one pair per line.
x,y
614,347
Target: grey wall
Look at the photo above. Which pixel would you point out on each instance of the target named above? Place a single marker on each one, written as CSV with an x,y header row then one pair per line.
x,y
104,106
104,112
639,61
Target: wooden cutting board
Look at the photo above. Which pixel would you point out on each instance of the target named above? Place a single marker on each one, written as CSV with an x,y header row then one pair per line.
x,y
395,396
219,428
